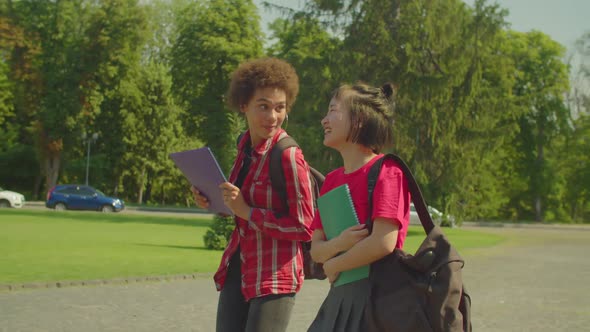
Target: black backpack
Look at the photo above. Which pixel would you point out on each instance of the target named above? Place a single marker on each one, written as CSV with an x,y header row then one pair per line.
x,y
423,291
311,269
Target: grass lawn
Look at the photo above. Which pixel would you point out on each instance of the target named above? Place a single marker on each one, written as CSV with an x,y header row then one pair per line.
x,y
462,240
48,246
45,246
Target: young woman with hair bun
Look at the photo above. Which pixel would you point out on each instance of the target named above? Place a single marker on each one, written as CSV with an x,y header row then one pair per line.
x,y
359,126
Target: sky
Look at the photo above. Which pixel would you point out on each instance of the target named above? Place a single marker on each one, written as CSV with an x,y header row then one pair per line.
x,y
563,20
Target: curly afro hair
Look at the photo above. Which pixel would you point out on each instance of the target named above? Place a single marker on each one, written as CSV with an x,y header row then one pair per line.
x,y
262,73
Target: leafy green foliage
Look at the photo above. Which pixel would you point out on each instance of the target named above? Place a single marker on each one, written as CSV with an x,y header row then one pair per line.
x,y
116,35
541,83
485,115
218,234
213,38
6,105
311,50
152,127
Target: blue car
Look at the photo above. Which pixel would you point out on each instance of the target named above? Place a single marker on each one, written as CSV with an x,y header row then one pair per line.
x,y
80,197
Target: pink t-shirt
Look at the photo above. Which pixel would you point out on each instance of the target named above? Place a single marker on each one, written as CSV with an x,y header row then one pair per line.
x,y
391,198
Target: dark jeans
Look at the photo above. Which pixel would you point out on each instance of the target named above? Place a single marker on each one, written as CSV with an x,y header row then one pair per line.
x,y
268,313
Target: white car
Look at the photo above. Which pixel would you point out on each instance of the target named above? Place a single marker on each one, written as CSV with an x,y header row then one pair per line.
x,y
436,215
11,199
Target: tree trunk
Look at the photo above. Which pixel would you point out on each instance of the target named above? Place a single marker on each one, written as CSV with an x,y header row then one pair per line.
x,y
148,187
141,185
540,171
52,164
538,209
36,187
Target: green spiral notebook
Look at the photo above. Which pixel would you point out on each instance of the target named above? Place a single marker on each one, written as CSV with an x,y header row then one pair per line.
x,y
338,213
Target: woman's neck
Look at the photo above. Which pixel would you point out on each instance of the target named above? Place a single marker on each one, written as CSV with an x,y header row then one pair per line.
x,y
355,156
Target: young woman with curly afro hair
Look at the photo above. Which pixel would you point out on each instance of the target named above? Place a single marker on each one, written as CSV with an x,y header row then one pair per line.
x,y
261,269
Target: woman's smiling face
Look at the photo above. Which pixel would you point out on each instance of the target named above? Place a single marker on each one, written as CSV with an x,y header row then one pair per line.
x,y
336,123
265,113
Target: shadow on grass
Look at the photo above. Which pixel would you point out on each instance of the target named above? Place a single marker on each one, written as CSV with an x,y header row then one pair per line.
x,y
172,246
110,217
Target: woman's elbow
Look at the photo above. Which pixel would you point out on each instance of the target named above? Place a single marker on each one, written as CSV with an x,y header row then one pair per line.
x,y
385,248
384,237
388,248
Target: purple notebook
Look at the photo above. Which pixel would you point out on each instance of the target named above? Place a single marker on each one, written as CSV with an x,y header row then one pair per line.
x,y
202,170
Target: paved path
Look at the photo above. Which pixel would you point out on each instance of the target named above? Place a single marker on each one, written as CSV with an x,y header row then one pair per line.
x,y
538,283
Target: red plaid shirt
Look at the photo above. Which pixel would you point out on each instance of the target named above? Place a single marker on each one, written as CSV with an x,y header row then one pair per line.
x,y
270,249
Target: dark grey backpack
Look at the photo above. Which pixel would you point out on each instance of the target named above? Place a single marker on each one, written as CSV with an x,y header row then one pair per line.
x,y
419,292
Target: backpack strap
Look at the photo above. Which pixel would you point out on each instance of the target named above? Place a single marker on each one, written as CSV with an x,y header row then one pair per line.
x,y
240,138
277,175
417,198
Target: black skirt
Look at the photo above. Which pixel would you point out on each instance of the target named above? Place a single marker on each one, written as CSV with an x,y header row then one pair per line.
x,y
343,309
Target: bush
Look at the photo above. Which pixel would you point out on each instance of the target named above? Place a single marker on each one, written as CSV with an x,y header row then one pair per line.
x,y
219,232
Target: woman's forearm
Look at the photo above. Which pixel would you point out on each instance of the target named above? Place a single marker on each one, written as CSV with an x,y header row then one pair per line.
x,y
322,249
374,247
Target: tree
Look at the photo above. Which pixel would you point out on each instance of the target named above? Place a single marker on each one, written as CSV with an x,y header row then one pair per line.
x,y
20,91
213,38
115,39
16,53
6,95
163,27
303,42
572,151
52,105
451,104
151,125
541,84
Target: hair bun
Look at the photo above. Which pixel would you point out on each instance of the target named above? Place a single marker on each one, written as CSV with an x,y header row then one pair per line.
x,y
388,90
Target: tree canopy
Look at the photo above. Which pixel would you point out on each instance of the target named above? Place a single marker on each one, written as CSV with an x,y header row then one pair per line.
x,y
493,122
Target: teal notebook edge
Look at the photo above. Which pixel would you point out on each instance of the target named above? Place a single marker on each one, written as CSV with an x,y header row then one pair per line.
x,y
337,213
353,275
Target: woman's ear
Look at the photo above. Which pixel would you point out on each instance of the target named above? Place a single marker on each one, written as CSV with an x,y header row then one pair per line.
x,y
242,108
